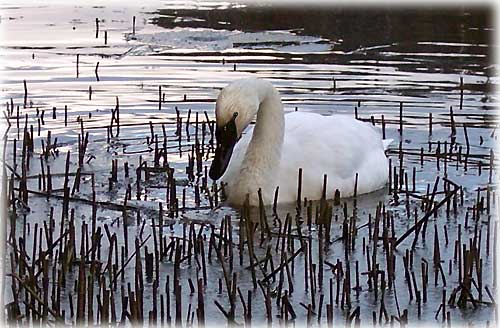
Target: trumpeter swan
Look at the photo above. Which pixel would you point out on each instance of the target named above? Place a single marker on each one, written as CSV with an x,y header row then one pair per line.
x,y
269,154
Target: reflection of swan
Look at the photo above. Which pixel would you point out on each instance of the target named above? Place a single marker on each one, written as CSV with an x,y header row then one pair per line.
x,y
271,153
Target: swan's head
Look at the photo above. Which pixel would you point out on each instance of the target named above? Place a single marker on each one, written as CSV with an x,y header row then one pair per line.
x,y
235,108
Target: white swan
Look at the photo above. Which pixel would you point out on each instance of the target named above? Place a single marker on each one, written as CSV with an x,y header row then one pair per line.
x,y
270,153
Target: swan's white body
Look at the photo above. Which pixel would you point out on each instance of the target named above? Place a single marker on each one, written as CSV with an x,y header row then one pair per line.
x,y
270,154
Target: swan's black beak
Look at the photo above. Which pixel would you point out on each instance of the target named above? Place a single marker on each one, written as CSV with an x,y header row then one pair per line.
x,y
226,137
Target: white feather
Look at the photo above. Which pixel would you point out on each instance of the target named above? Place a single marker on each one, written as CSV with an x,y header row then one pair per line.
x,y
270,154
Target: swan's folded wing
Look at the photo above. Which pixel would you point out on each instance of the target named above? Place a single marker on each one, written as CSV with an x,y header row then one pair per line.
x,y
337,145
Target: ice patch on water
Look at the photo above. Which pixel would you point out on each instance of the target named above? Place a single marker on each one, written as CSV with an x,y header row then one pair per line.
x,y
204,39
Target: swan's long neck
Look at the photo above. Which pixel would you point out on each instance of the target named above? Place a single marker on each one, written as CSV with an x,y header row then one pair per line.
x,y
261,162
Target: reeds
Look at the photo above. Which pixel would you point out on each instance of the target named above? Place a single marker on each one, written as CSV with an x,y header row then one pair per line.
x,y
88,260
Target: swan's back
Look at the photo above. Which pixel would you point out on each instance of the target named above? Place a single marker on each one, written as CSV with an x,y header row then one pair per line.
x,y
338,146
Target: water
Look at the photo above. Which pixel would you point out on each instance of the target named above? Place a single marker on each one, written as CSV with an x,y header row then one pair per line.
x,y
323,60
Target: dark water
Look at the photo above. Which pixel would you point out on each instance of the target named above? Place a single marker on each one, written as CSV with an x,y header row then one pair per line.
x,y
322,59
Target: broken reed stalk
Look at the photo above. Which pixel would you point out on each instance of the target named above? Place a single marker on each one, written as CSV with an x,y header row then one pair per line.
x,y
159,96
96,71
25,94
401,119
461,92
299,191
424,219
77,65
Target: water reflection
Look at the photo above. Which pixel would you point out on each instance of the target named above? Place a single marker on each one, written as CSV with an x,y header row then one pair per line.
x,y
355,30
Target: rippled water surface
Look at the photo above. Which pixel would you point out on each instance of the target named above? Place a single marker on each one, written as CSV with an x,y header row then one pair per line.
x,y
323,59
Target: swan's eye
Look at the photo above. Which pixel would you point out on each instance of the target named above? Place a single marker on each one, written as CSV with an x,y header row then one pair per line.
x,y
226,135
